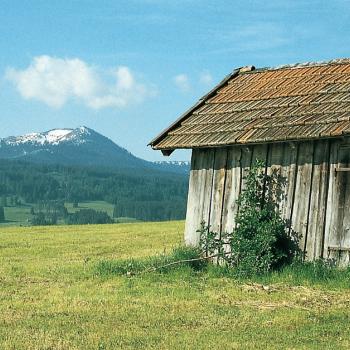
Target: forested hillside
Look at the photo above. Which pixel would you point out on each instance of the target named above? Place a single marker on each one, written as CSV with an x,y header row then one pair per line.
x,y
146,195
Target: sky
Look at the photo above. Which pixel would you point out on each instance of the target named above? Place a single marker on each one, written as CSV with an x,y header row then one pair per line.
x,y
127,69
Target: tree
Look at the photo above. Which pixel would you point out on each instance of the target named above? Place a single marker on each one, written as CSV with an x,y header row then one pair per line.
x,y
2,214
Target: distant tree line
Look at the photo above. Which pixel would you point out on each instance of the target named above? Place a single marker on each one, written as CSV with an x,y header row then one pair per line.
x,y
50,212
89,216
145,194
150,210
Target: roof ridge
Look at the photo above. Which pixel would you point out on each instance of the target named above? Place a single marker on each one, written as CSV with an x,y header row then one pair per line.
x,y
337,61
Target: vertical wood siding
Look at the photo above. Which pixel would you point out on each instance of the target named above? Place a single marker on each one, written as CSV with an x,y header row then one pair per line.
x,y
217,193
337,233
314,198
232,189
199,194
301,200
318,200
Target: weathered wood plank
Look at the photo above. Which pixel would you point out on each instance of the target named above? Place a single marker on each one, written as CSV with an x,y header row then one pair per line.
x,y
282,161
246,161
299,222
338,206
274,168
332,204
217,197
199,193
288,172
344,155
318,200
345,225
217,193
232,189
193,203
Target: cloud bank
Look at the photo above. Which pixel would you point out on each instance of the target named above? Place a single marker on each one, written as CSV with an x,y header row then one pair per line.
x,y
55,81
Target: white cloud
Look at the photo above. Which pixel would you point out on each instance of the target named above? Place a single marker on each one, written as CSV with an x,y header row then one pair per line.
x,y
55,81
182,82
205,78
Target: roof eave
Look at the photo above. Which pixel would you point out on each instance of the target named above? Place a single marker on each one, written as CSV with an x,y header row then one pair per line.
x,y
200,102
168,151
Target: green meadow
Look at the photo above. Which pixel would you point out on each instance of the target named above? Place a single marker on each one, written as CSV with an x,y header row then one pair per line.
x,y
21,216
52,296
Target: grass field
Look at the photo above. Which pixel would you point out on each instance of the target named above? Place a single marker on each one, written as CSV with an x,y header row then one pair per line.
x,y
52,298
17,216
20,215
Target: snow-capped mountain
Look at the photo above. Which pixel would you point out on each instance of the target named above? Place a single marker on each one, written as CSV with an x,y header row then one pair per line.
x,y
79,146
51,137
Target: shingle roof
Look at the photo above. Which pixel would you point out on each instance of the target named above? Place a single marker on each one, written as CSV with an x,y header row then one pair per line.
x,y
305,101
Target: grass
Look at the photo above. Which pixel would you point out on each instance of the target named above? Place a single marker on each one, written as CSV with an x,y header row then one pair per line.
x,y
55,295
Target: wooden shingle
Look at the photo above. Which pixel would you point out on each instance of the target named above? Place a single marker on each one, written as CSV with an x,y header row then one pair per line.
x,y
300,102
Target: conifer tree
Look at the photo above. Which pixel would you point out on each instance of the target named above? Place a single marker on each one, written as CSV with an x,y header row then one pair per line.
x,y
2,214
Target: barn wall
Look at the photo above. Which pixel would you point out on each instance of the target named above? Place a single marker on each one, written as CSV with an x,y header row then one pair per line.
x,y
315,198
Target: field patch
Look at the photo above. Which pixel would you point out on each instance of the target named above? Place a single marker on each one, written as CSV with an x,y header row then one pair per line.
x,y
20,215
52,298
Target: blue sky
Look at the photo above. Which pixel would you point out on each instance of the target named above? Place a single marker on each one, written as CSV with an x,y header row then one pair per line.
x,y
129,68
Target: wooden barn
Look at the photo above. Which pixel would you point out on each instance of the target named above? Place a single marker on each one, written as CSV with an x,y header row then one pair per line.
x,y
295,118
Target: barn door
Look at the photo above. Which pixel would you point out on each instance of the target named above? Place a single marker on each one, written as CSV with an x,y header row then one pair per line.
x,y
338,243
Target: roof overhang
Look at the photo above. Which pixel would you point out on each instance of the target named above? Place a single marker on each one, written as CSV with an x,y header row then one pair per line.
x,y
201,101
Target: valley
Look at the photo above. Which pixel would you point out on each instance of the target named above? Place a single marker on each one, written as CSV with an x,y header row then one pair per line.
x,y
21,215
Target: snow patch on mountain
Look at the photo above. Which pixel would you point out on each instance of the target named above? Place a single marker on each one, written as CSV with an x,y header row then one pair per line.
x,y
54,136
51,137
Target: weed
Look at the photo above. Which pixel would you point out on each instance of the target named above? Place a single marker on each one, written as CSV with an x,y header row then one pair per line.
x,y
179,257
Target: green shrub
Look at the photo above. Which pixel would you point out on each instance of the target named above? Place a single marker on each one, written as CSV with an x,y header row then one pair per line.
x,y
261,241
